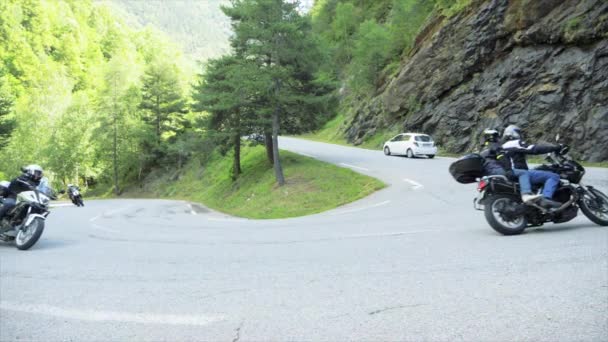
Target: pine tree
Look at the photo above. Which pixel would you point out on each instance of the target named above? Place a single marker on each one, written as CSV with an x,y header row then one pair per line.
x,y
162,97
229,91
273,35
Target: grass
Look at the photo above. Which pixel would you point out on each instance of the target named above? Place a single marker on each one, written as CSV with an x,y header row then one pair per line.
x,y
311,186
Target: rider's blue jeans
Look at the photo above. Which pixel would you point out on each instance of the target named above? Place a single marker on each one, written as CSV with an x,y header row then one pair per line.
x,y
529,177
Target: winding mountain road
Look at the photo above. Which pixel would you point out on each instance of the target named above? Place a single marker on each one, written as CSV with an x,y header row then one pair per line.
x,y
411,262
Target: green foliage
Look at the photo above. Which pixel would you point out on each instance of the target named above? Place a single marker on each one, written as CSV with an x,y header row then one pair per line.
x,y
199,26
72,81
7,123
372,49
162,99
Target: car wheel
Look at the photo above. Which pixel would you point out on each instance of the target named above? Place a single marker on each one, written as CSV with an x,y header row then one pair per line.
x,y
431,156
410,153
387,151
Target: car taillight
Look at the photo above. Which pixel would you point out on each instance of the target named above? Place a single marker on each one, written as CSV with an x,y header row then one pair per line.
x,y
416,144
482,185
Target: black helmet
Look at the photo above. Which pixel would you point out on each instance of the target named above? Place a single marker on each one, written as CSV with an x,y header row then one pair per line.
x,y
512,132
490,135
33,172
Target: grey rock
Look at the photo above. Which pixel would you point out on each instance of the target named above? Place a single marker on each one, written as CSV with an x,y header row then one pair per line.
x,y
541,64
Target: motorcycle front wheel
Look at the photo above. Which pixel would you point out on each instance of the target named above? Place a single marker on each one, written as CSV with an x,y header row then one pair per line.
x,y
500,212
30,234
594,204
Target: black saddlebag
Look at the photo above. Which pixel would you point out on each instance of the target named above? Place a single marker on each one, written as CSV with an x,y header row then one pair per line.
x,y
467,168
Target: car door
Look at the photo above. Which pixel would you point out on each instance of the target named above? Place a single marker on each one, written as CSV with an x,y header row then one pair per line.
x,y
405,144
393,144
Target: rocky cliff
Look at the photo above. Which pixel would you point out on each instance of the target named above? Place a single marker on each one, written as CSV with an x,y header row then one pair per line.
x,y
541,64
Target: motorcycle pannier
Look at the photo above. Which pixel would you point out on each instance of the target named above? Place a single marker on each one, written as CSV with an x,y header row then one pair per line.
x,y
467,168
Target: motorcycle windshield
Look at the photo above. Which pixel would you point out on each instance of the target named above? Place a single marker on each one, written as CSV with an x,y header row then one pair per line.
x,y
44,187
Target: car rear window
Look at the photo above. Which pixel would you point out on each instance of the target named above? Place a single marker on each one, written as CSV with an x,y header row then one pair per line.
x,y
423,138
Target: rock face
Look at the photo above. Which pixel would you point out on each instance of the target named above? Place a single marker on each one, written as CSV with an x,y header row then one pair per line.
x,y
541,64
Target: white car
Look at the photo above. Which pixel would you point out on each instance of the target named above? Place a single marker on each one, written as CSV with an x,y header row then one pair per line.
x,y
411,145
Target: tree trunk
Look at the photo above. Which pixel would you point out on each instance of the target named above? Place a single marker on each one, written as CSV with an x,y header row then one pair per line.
x,y
268,143
236,168
278,170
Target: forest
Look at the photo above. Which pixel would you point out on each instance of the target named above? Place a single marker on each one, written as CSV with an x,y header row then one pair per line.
x,y
100,103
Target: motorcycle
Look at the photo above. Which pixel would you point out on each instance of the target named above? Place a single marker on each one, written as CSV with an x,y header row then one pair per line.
x,y
75,196
500,198
24,224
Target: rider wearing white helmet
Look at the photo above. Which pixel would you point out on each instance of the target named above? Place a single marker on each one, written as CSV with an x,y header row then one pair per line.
x,y
30,178
516,150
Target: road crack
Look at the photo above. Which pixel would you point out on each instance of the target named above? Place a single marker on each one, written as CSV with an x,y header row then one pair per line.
x,y
238,332
394,308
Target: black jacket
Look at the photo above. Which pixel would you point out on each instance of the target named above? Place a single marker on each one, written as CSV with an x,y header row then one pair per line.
x,y
515,152
492,155
17,185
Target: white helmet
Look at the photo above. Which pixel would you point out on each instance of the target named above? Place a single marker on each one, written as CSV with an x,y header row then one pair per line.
x,y
34,172
512,132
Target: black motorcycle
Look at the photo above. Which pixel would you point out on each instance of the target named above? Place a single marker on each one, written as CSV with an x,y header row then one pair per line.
x,y
500,197
75,196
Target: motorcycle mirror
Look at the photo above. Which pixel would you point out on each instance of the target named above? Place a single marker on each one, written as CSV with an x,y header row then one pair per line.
x,y
557,137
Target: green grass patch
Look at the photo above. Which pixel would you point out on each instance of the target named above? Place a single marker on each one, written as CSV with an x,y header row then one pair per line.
x,y
329,133
311,186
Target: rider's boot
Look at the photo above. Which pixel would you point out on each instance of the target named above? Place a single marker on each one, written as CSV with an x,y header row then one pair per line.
x,y
529,197
548,203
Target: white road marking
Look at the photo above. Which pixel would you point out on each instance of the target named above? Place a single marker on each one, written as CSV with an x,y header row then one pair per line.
x,y
60,205
112,316
415,184
363,208
354,167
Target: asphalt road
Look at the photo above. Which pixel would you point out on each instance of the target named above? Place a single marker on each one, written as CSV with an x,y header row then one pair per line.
x,y
411,262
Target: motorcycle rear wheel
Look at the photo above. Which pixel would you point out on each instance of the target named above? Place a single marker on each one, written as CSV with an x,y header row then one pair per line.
x,y
498,221
596,209
27,237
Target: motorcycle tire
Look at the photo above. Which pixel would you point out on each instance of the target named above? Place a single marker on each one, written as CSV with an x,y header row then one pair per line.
x,y
80,202
33,231
588,209
497,221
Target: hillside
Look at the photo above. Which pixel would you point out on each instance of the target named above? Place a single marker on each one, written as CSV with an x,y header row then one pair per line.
x,y
540,64
199,27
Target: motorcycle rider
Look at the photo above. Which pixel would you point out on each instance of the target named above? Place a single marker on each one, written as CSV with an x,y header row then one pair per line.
x,y
494,162
32,175
71,189
515,150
